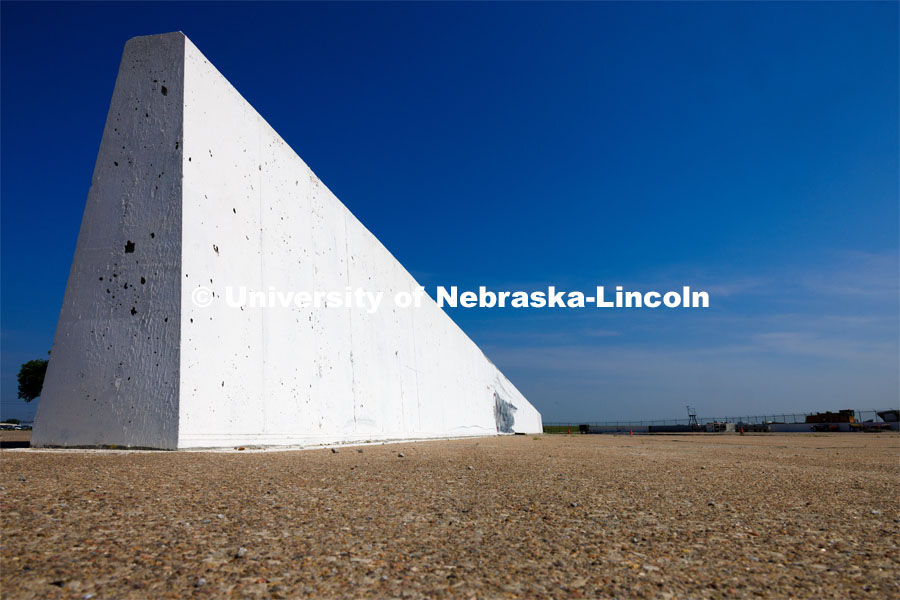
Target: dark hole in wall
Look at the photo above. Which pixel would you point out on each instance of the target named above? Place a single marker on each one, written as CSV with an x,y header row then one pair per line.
x,y
129,247
164,90
503,414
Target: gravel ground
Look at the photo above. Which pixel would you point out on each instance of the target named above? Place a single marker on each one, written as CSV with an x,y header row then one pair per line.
x,y
693,516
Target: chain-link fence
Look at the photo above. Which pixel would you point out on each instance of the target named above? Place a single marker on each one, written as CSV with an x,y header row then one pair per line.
x,y
786,418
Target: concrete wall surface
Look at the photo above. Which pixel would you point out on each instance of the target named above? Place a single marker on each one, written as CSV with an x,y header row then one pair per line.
x,y
113,372
235,208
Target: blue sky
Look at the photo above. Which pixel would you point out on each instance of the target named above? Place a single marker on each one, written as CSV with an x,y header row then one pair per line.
x,y
748,149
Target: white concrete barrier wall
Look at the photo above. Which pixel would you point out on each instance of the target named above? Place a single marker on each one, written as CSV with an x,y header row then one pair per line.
x,y
251,213
113,372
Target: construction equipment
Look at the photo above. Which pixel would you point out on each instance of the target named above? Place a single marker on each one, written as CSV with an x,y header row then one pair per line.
x,y
844,416
692,419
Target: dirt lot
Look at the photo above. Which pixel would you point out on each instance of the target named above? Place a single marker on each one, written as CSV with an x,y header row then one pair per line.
x,y
698,516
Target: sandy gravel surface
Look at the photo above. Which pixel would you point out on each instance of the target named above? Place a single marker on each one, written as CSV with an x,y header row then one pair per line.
x,y
702,516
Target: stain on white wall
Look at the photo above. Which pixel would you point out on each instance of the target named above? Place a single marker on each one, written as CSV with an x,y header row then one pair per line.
x,y
211,196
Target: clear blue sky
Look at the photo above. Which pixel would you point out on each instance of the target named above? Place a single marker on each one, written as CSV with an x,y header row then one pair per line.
x,y
749,149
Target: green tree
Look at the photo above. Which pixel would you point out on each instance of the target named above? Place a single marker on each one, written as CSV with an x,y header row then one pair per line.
x,y
31,379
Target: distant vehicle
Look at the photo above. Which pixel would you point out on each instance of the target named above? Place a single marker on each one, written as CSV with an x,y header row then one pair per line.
x,y
844,416
889,416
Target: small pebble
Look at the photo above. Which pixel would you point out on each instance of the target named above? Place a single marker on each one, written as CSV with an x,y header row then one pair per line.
x,y
471,468
359,450
200,582
241,552
334,450
573,504
400,455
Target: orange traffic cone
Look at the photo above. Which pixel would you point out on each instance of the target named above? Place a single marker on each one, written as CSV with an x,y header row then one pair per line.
x,y
631,431
742,431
